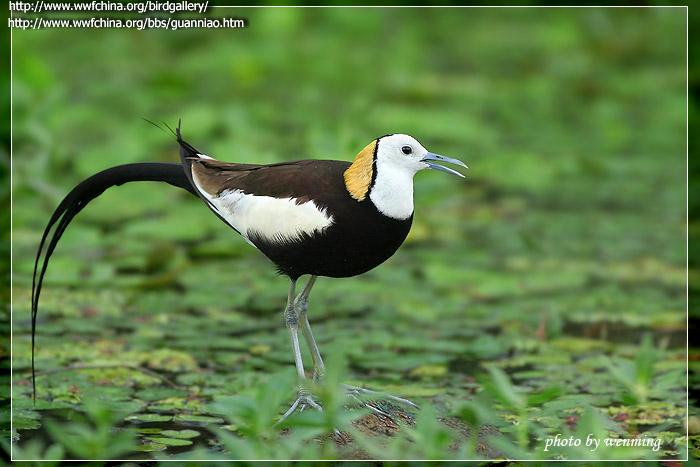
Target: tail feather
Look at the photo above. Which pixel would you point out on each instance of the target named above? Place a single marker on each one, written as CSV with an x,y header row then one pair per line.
x,y
77,199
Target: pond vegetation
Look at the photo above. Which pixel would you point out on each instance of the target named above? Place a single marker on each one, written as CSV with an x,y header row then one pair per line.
x,y
544,295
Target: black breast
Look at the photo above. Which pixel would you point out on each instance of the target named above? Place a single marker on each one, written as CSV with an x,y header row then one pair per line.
x,y
360,238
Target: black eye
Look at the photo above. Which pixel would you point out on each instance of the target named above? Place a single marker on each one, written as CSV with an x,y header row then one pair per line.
x,y
406,150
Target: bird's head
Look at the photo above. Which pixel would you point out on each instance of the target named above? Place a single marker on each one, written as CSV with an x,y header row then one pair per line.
x,y
404,152
392,160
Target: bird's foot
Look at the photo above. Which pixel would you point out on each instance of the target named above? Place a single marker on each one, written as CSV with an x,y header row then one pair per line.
x,y
357,392
303,401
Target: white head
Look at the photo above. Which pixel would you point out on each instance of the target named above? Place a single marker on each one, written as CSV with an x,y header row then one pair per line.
x,y
385,169
401,153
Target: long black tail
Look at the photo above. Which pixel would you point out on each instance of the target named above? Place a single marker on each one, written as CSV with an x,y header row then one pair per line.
x,y
79,197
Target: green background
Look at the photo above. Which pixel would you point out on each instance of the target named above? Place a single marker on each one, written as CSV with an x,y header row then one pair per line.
x,y
563,247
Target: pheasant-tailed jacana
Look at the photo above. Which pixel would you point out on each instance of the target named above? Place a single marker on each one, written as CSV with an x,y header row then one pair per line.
x,y
309,217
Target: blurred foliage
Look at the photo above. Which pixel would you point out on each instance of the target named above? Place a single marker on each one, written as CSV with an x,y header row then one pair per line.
x,y
5,233
518,302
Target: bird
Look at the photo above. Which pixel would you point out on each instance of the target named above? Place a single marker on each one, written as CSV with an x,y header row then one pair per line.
x,y
315,218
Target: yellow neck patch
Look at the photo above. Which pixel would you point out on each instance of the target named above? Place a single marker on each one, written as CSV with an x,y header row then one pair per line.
x,y
358,176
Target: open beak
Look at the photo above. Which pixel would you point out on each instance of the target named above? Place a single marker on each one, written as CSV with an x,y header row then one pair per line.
x,y
430,156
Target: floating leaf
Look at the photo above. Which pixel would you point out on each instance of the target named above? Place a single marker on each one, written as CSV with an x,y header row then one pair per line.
x,y
184,434
170,441
151,447
149,417
197,419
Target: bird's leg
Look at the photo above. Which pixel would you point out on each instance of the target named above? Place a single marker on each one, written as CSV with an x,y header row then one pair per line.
x,y
301,304
304,399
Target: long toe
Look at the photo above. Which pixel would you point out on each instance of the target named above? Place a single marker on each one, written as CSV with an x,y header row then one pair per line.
x,y
368,405
309,400
358,391
292,408
385,417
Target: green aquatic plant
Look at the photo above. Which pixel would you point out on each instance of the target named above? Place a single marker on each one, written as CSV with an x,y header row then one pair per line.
x,y
562,249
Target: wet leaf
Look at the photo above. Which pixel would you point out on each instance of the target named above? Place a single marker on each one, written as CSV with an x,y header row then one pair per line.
x,y
170,441
149,417
204,419
183,434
